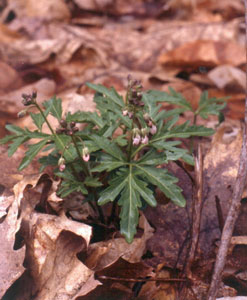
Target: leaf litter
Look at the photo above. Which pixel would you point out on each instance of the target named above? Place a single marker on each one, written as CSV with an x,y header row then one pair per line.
x,y
39,52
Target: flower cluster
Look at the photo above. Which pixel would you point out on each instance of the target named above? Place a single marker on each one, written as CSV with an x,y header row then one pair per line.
x,y
134,92
29,99
67,128
150,124
140,136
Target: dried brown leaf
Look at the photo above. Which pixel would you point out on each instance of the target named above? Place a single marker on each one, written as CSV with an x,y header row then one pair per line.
x,y
52,243
206,53
11,103
104,254
11,262
229,78
9,78
220,171
45,9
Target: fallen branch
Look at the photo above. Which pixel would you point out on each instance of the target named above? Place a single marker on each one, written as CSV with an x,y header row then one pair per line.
x,y
235,204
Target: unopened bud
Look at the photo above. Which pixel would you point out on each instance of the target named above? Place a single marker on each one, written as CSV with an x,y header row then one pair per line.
x,y
60,130
144,140
27,99
22,113
85,154
153,129
146,117
144,132
130,114
62,168
136,140
125,112
72,124
136,136
34,94
129,77
136,131
63,123
61,161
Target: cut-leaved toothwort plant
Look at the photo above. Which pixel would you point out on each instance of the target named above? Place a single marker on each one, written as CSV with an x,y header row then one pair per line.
x,y
120,154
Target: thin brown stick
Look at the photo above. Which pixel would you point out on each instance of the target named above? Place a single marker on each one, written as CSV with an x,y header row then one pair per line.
x,y
141,280
235,204
196,210
219,213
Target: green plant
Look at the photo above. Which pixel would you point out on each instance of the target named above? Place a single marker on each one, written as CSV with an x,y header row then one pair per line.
x,y
105,166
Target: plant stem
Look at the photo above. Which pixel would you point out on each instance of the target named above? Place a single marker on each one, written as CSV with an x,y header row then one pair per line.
x,y
88,173
83,163
192,138
100,211
131,137
54,133
138,149
43,115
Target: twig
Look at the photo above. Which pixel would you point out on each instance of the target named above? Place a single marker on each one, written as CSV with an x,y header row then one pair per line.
x,y
196,210
236,197
219,213
141,280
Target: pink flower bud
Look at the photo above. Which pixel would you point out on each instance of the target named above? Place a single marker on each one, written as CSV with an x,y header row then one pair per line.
x,y
153,129
146,117
150,123
62,168
85,154
130,114
136,140
125,112
22,113
145,140
86,157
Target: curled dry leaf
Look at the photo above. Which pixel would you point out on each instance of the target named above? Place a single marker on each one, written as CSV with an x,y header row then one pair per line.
x,y
8,169
9,78
93,4
228,77
45,9
220,171
12,103
7,35
52,243
11,262
30,52
104,254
